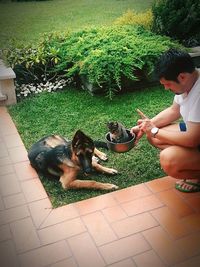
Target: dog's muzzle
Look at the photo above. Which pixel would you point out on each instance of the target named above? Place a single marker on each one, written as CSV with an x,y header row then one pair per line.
x,y
87,171
86,166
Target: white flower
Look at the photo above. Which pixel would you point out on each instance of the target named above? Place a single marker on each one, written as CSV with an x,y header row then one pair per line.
x,y
46,86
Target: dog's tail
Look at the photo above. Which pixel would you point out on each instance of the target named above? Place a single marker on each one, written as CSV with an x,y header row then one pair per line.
x,y
100,144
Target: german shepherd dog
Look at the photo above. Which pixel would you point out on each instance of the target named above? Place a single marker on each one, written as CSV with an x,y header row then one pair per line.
x,y
56,156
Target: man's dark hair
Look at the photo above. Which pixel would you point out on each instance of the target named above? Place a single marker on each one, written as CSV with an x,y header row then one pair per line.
x,y
172,63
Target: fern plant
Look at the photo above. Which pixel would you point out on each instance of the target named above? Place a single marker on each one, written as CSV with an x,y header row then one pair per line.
x,y
107,54
104,55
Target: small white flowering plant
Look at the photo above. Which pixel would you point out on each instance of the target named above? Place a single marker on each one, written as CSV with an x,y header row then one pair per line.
x,y
28,89
35,66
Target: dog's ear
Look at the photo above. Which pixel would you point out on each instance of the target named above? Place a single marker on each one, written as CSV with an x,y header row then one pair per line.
x,y
80,138
79,135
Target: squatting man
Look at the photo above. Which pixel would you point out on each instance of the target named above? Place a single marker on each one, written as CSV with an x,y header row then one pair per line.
x,y
176,130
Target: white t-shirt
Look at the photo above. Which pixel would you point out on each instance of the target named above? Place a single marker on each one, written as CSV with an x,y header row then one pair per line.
x,y
190,104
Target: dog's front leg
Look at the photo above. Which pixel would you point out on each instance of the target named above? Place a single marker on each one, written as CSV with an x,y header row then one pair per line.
x,y
100,154
69,174
103,169
91,184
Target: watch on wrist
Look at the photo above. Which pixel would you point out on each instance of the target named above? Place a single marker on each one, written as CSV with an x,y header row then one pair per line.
x,y
154,131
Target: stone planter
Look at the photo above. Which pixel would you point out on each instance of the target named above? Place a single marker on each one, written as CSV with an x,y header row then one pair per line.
x,y
130,85
87,85
127,85
7,87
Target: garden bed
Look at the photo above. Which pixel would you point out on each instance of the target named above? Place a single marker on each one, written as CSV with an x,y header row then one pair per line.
x,y
106,59
67,111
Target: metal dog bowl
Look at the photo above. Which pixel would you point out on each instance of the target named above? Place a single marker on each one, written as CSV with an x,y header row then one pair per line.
x,y
121,147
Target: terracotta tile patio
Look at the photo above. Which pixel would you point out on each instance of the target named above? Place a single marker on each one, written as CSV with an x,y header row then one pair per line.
x,y
147,225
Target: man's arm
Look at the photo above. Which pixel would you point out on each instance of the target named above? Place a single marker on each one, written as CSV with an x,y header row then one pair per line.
x,y
190,138
167,116
162,119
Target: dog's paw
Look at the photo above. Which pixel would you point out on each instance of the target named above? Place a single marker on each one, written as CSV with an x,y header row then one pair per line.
x,y
103,156
112,171
115,187
64,186
95,159
111,187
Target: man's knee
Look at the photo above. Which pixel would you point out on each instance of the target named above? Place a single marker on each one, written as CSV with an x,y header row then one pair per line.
x,y
168,160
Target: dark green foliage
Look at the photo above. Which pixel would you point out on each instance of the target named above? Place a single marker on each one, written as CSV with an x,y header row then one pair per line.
x,y
103,55
27,0
179,19
34,63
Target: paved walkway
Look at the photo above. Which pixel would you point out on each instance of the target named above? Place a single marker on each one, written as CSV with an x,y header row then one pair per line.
x,y
147,225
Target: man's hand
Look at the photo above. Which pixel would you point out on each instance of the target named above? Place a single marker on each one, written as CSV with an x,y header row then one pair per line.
x,y
144,123
146,126
137,129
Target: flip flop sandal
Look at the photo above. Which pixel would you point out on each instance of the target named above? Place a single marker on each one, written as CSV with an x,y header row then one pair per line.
x,y
195,187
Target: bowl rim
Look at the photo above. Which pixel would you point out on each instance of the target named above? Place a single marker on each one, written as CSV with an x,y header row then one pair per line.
x,y
129,132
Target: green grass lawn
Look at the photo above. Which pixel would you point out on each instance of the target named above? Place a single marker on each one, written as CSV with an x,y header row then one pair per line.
x,y
67,111
25,21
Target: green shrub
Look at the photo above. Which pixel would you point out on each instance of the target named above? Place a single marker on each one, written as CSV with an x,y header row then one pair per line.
x,y
131,17
179,19
105,56
27,0
35,63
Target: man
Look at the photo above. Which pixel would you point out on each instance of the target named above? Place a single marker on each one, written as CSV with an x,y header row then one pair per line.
x,y
179,141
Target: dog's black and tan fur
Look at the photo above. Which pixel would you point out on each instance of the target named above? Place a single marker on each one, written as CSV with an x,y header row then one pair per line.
x,y
54,155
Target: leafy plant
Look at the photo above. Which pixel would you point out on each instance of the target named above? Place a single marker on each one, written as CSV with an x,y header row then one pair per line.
x,y
132,17
179,19
104,55
35,63
27,0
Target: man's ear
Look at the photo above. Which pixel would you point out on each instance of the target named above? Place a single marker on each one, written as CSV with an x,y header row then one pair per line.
x,y
182,77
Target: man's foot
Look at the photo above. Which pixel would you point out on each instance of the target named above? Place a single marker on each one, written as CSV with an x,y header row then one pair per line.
x,y
187,186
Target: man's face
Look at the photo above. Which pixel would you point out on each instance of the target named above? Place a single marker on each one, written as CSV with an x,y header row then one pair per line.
x,y
178,87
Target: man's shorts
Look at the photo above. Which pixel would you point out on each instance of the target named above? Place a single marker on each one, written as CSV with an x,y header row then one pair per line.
x,y
182,126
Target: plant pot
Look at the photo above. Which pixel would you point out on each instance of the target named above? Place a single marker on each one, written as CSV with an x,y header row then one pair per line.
x,y
87,85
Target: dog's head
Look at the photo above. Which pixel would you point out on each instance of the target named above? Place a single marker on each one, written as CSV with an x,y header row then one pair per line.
x,y
83,148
